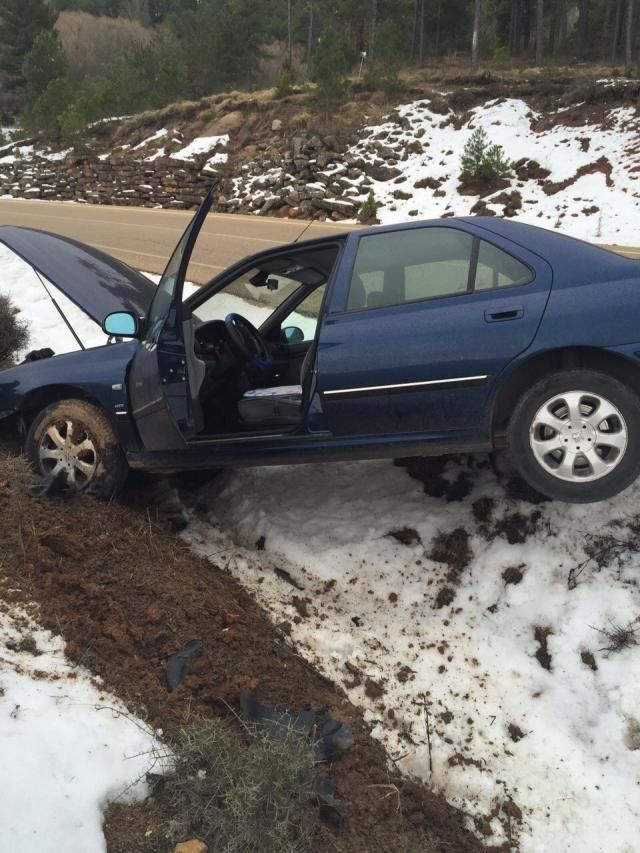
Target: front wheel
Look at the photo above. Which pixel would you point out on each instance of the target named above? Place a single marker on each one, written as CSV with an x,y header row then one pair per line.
x,y
575,436
75,441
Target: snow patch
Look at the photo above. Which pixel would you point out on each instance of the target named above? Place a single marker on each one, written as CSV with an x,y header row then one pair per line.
x,y
68,747
202,145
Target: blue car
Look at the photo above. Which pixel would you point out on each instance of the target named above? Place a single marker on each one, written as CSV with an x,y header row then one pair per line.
x,y
425,338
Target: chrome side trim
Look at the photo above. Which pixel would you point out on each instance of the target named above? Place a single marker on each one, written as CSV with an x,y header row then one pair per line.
x,y
406,385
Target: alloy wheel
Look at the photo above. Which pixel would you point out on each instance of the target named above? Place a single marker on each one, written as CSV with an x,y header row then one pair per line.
x,y
67,448
578,436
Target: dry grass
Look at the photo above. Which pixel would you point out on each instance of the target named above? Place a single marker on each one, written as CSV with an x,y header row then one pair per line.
x,y
241,791
16,472
619,637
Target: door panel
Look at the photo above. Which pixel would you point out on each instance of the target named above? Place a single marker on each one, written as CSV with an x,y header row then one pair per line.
x,y
426,366
162,405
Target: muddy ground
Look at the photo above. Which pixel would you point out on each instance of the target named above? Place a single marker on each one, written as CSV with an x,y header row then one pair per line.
x,y
126,594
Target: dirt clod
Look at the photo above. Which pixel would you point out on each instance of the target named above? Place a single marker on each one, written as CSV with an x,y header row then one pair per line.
x,y
453,549
515,732
373,689
543,656
445,597
513,574
405,535
483,509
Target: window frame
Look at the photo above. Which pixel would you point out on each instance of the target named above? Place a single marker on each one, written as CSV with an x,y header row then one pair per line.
x,y
471,279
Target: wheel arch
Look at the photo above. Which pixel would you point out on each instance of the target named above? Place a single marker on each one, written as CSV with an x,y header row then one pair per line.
x,y
38,399
538,366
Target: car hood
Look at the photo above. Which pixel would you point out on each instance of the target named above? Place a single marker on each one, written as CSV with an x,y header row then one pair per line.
x,y
96,282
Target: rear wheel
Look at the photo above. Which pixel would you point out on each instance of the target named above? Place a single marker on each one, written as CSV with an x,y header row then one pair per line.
x,y
75,441
575,436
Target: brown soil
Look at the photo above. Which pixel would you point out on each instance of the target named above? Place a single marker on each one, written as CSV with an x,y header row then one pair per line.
x,y
127,595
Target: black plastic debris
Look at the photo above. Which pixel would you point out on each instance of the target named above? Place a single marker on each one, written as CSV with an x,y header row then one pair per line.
x,y
38,355
286,577
330,737
327,795
334,739
178,663
51,487
169,505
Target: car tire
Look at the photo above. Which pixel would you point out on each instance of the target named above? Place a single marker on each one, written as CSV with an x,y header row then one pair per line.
x,y
563,445
74,440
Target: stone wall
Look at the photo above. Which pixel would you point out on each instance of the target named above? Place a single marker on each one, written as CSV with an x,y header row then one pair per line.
x,y
113,180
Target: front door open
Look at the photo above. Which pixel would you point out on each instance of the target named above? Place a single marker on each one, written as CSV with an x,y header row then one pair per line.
x,y
163,408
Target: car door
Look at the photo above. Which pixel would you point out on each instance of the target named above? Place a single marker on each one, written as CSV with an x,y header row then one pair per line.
x,y
423,320
163,406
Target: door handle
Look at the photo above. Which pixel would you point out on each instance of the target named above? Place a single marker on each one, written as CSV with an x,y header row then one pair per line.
x,y
514,312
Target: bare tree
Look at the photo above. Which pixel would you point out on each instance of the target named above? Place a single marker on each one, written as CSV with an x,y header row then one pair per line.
x,y
475,41
438,23
421,35
615,32
310,33
628,47
539,31
374,21
289,35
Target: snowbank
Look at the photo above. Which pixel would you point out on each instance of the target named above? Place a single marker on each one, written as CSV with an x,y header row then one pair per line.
x,y
560,745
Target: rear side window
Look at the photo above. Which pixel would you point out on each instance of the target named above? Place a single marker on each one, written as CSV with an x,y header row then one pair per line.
x,y
404,266
426,263
499,269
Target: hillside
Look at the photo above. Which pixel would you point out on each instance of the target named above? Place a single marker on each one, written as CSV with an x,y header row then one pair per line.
x,y
573,141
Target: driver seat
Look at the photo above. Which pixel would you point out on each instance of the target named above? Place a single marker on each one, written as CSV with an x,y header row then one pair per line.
x,y
278,406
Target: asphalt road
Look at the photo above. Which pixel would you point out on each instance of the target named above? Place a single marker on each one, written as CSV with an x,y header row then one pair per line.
x,y
144,238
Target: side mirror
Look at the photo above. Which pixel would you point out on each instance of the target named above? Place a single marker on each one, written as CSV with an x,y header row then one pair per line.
x,y
292,335
120,324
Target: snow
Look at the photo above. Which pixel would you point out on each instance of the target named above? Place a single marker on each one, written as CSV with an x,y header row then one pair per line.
x,y
53,156
202,145
47,328
575,772
22,151
153,138
68,747
558,149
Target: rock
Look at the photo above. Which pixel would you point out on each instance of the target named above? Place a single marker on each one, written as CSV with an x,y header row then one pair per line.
x,y
480,209
438,105
276,125
227,123
346,208
384,173
194,845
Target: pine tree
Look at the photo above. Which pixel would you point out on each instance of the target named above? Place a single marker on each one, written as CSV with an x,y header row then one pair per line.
x,y
482,161
20,23
46,61
329,68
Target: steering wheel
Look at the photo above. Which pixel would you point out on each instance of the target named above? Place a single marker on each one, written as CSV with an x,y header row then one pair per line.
x,y
246,341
